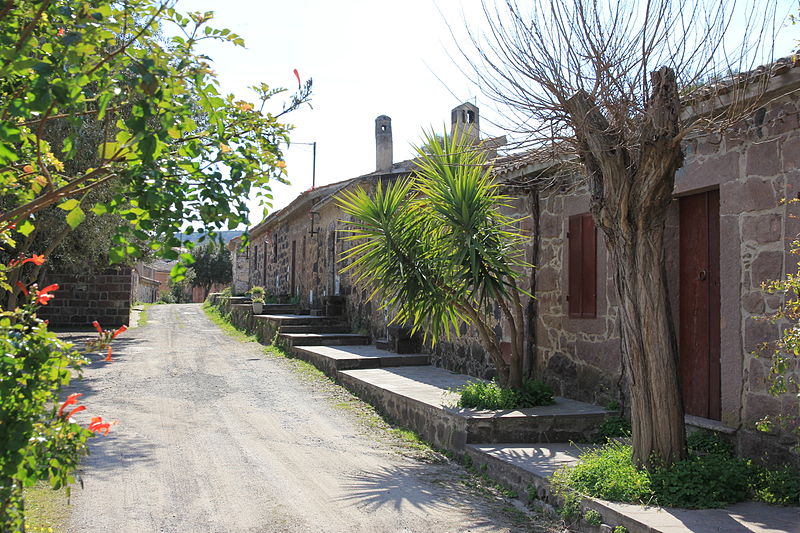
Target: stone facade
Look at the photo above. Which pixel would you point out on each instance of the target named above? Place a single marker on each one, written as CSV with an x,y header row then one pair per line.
x,y
241,267
754,167
81,299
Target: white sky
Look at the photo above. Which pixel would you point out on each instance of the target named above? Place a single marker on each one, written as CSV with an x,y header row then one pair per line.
x,y
367,58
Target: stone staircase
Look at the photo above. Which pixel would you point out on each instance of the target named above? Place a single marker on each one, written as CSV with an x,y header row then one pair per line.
x,y
521,448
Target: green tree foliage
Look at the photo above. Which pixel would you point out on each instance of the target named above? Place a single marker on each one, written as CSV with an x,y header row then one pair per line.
x,y
438,251
784,364
212,264
95,93
61,61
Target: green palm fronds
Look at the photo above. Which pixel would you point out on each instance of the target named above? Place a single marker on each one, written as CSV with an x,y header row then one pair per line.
x,y
436,248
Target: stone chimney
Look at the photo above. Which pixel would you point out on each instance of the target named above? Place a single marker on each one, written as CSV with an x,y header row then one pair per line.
x,y
383,144
464,120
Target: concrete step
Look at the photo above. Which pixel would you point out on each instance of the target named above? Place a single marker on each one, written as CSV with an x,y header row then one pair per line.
x,y
332,359
300,320
423,399
314,328
282,309
524,466
322,339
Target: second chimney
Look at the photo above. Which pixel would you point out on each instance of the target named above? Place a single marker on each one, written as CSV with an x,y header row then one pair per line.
x,y
383,144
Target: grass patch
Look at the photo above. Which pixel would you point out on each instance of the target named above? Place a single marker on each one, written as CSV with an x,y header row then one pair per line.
x,y
46,510
143,316
710,477
490,395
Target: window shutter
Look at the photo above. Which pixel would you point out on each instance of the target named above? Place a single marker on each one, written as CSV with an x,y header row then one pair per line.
x,y
582,273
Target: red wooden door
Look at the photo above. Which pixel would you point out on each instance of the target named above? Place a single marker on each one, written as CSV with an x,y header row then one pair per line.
x,y
699,330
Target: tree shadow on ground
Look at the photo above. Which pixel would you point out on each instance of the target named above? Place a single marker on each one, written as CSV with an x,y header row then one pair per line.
x,y
428,488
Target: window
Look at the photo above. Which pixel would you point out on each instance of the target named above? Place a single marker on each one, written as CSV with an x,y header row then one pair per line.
x,y
255,257
274,248
582,291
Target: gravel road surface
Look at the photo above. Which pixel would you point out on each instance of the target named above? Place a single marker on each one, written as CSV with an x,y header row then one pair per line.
x,y
216,436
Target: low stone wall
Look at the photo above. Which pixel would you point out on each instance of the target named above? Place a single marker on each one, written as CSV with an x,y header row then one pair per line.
x,y
440,427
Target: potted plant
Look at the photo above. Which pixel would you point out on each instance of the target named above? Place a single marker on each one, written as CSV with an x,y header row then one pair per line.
x,y
257,295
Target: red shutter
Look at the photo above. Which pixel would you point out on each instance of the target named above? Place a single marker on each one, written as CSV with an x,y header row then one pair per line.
x,y
575,239
582,290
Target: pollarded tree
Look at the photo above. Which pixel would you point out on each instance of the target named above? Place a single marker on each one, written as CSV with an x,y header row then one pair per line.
x,y
602,84
437,250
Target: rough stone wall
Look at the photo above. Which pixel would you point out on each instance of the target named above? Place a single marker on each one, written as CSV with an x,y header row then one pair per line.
x,y
580,357
145,286
241,268
755,166
81,299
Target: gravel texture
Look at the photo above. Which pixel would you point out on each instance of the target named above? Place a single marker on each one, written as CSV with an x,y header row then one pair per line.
x,y
214,435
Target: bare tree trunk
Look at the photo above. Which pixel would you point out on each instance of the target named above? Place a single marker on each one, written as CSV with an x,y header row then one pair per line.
x,y
649,347
531,310
631,192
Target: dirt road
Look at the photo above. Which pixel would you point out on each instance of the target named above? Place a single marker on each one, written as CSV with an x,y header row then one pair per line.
x,y
216,436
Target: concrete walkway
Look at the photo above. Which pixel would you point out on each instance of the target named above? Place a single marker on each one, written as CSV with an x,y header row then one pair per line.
x,y
422,398
534,463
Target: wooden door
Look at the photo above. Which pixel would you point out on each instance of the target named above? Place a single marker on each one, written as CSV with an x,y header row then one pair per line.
x,y
699,329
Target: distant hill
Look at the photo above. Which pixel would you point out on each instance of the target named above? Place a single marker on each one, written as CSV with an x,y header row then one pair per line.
x,y
226,236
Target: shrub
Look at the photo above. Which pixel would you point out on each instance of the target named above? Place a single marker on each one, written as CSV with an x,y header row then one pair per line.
x,y
613,427
535,392
708,442
607,472
486,395
490,395
777,487
699,482
257,294
593,518
620,529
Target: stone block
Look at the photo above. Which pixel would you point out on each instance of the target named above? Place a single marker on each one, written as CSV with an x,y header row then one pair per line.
x,y
762,159
547,279
791,154
757,332
752,194
753,302
757,406
708,173
762,229
604,355
766,266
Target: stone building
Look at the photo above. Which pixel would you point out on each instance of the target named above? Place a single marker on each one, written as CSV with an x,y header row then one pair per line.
x,y
729,230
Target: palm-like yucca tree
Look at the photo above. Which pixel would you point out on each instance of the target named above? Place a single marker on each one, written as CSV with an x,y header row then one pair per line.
x,y
437,250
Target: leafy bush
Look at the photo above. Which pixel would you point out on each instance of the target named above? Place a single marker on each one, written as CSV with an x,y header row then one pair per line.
x,y
490,395
777,487
257,294
593,518
620,529
607,472
699,482
611,428
535,392
708,442
715,479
